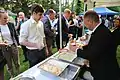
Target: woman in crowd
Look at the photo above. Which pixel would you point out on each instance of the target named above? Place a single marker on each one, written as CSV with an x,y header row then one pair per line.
x,y
116,32
116,35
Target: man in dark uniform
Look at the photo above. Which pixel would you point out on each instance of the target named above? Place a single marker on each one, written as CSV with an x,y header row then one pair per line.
x,y
100,51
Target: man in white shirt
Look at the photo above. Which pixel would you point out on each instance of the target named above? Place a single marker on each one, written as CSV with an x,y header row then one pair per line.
x,y
32,36
8,44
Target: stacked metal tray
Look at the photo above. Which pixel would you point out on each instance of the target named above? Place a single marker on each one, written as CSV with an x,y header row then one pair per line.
x,y
53,66
60,69
69,56
24,78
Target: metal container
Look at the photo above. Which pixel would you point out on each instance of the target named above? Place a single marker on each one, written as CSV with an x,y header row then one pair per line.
x,y
53,66
26,77
68,71
69,56
79,60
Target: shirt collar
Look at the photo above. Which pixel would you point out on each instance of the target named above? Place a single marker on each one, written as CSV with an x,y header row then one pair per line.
x,y
95,27
33,21
64,17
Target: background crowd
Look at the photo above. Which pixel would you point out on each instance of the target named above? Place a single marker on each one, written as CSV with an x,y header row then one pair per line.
x,y
39,33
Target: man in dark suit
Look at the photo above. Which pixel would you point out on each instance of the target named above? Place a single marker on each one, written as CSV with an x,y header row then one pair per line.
x,y
64,25
100,50
49,29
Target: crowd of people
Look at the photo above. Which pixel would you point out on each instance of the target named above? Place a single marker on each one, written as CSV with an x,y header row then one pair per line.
x,y
40,33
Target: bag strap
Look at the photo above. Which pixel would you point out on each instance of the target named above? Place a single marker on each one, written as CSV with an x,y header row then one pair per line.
x,y
1,35
11,33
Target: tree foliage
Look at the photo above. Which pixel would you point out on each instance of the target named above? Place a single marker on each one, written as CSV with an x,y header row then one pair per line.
x,y
115,8
79,7
24,5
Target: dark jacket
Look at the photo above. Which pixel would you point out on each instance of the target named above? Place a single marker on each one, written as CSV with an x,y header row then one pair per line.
x,y
47,27
116,36
49,34
64,28
13,32
101,54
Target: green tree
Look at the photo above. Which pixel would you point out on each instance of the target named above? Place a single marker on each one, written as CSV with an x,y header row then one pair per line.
x,y
24,5
79,7
115,8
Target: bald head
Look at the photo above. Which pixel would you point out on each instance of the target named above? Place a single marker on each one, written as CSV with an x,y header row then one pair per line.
x,y
92,15
91,19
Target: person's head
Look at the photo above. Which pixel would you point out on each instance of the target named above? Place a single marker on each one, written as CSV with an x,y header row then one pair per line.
x,y
37,12
91,19
21,15
51,14
117,22
3,17
67,13
73,14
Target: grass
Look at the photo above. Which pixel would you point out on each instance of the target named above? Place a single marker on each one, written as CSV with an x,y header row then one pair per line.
x,y
25,66
118,55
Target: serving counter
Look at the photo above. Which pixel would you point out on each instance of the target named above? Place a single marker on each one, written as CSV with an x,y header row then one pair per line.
x,y
54,67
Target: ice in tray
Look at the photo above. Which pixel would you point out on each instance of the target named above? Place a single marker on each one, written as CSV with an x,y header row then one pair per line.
x,y
53,66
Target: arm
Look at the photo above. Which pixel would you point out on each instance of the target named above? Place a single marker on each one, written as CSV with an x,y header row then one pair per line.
x,y
44,42
47,29
99,45
24,35
3,44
